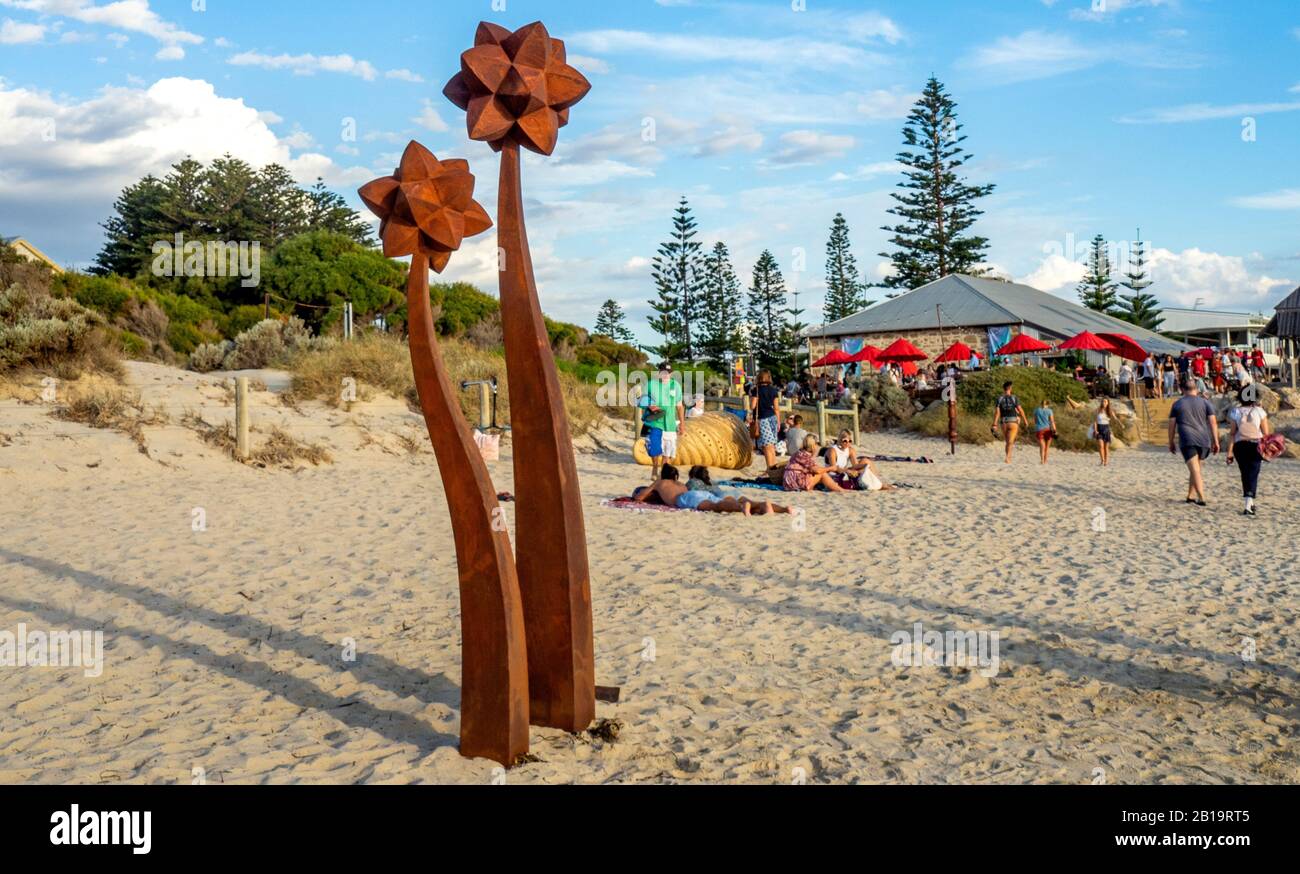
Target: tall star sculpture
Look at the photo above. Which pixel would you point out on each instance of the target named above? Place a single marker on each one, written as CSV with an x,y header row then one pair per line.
x,y
427,209
517,89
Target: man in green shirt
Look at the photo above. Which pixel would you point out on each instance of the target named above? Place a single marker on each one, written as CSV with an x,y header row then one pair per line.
x,y
662,415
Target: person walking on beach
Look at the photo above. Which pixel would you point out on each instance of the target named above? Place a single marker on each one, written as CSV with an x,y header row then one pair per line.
x,y
1045,426
1101,430
1149,378
763,409
1250,425
1008,413
1194,429
662,417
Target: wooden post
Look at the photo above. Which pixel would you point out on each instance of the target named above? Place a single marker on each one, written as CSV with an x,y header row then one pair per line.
x,y
1291,345
821,422
484,406
857,421
636,422
241,418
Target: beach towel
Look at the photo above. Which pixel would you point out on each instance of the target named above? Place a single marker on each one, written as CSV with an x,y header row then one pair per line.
x,y
1272,446
638,507
900,459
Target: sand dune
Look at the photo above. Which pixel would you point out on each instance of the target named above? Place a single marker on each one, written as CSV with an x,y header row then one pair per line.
x,y
746,650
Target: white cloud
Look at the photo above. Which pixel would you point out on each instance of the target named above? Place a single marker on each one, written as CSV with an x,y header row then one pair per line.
x,y
1055,273
881,104
588,65
170,53
308,64
62,187
785,52
430,119
404,75
1039,54
810,147
1108,9
1205,112
869,171
130,15
1287,198
14,33
1180,279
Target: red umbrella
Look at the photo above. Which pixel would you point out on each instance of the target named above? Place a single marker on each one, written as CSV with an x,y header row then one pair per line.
x,y
1022,344
868,354
958,352
1125,346
901,350
1088,342
1206,353
909,368
835,356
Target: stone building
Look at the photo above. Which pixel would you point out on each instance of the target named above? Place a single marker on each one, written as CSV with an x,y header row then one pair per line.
x,y
977,312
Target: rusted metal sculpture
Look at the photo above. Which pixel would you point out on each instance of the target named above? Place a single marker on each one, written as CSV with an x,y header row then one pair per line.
x,y
516,89
427,208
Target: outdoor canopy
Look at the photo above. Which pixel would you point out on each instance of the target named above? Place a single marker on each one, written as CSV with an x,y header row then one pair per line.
x,y
957,352
1022,344
902,350
1087,341
868,354
835,356
1125,346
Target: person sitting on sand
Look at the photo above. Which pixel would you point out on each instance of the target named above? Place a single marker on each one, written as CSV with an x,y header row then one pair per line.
x,y
860,469
674,494
804,472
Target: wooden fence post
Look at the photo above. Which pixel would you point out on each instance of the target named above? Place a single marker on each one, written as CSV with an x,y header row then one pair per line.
x,y
241,418
821,422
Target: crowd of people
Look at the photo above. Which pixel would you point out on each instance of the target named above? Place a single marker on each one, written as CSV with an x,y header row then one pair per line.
x,y
796,461
1193,432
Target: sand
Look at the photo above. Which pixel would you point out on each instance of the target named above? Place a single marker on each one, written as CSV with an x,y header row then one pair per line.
x,y
746,650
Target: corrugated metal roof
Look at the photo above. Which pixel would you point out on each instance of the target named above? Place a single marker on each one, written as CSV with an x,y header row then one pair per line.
x,y
1287,321
968,302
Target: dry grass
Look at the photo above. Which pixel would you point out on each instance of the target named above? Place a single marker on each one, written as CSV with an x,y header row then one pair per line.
x,y
381,362
101,403
280,449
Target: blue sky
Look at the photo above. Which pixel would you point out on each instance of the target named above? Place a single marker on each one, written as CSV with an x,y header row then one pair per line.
x,y
1178,116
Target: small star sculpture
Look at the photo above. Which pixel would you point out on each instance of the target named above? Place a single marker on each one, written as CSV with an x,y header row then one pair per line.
x,y
516,86
426,207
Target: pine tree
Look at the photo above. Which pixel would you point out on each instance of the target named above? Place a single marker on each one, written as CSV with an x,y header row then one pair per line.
x,y
936,206
1097,291
843,286
1139,308
678,275
770,334
611,322
720,305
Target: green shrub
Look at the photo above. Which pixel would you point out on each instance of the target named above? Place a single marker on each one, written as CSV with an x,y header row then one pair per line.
x,y
259,346
462,307
134,346
883,404
104,294
978,392
208,357
240,319
55,334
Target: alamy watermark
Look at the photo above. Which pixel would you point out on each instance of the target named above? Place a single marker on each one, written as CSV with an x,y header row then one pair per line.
x,y
964,649
53,649
210,258
625,388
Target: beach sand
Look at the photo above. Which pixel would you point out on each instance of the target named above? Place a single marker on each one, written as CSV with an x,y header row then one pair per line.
x,y
746,650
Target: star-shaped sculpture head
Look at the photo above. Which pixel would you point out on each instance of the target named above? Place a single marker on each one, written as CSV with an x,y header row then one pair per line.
x,y
516,86
426,207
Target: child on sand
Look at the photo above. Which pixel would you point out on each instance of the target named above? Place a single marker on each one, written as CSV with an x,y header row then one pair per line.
x,y
1045,425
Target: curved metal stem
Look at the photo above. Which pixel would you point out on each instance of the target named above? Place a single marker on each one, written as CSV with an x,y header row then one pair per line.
x,y
494,664
552,541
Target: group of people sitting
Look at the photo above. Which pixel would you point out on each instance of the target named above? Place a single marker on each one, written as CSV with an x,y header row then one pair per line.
x,y
837,468
699,493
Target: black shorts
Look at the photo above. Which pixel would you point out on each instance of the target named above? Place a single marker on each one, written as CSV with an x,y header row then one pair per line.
x,y
1150,381
1103,434
1203,452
